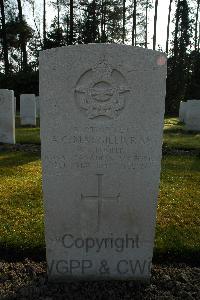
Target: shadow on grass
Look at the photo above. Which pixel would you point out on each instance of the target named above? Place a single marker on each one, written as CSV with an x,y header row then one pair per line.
x,y
14,159
19,253
177,244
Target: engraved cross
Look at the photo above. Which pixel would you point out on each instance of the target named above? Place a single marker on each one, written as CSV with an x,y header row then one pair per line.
x,y
100,198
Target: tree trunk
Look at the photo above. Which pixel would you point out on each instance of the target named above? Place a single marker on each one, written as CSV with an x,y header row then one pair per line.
x,y
58,15
124,21
134,23
22,39
67,20
176,29
196,26
155,24
4,39
71,21
146,26
168,25
102,5
44,24
103,21
199,38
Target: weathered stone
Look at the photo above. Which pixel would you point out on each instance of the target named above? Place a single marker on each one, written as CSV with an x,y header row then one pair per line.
x,y
7,117
102,115
192,118
182,111
28,109
15,105
37,100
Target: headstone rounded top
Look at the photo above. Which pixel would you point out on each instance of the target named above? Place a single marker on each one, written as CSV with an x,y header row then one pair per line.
x,y
161,58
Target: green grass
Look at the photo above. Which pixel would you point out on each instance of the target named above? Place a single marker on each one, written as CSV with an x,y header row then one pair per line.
x,y
175,135
27,135
178,223
21,207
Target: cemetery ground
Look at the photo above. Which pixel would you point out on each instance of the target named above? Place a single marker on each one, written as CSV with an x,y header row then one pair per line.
x,y
176,263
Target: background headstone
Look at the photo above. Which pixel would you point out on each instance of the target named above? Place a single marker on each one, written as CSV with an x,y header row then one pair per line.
x,y
7,117
37,100
192,118
102,116
182,111
27,109
15,105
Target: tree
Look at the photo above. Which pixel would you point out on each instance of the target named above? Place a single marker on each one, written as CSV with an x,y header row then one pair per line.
x,y
146,5
138,14
71,21
22,38
44,24
178,64
124,21
90,24
155,24
196,26
134,23
146,24
4,38
168,26
199,38
55,36
114,29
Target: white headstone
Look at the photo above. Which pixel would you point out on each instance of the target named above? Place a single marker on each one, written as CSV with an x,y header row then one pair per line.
x,y
37,100
192,118
27,109
102,115
7,117
15,105
182,111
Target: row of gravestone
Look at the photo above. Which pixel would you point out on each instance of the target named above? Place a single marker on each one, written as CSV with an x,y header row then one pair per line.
x,y
29,110
30,96
189,113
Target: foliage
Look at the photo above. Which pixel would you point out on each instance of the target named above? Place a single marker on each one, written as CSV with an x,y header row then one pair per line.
x,y
179,67
21,82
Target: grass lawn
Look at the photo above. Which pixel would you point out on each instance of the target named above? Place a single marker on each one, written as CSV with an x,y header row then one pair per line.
x,y
21,208
27,135
174,135
178,222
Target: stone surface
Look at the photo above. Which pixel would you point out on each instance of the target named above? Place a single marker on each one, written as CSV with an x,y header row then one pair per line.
x,y
182,111
192,116
27,109
37,100
15,105
7,117
102,115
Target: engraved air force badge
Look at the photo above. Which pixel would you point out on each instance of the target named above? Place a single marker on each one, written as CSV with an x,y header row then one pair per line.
x,y
101,91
